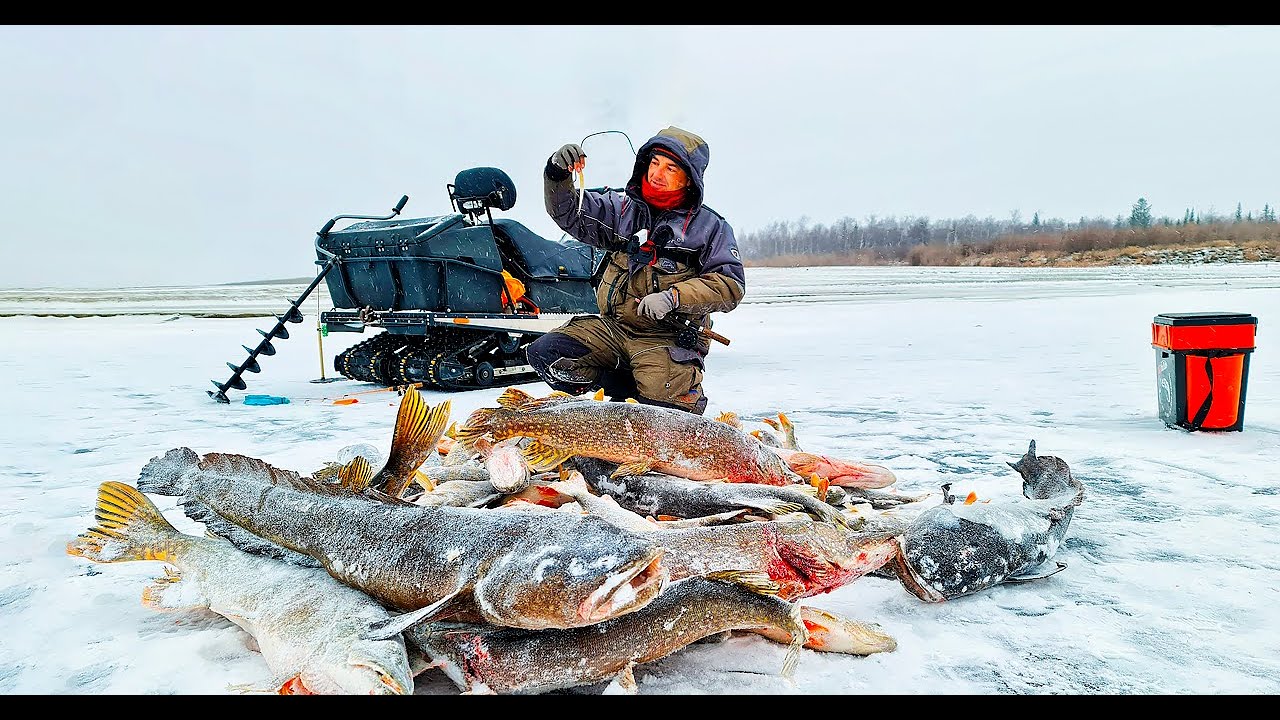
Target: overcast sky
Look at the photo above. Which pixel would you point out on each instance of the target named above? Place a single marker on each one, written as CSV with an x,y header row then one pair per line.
x,y
155,155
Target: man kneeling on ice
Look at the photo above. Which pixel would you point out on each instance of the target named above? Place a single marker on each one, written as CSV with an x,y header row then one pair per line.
x,y
672,261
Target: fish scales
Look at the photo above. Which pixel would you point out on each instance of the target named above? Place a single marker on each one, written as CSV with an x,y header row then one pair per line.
x,y
307,625
513,568
804,557
508,661
669,441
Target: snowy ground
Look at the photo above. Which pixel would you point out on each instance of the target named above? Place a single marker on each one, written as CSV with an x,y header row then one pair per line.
x,y
942,375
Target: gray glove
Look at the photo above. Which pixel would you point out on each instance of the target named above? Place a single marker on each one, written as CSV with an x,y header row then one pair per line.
x,y
568,156
655,306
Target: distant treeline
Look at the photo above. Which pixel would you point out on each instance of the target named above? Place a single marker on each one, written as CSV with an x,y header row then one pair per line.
x,y
919,241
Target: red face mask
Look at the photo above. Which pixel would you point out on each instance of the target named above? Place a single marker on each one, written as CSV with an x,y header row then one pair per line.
x,y
661,199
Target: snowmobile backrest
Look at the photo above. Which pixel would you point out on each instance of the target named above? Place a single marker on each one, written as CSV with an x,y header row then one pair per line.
x,y
475,190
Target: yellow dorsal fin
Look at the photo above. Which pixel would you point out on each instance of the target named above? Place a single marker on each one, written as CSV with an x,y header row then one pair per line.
x,y
555,397
599,395
452,432
973,498
355,475
514,398
633,400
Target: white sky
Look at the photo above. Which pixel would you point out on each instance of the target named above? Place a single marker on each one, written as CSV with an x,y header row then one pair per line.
x,y
156,155
939,374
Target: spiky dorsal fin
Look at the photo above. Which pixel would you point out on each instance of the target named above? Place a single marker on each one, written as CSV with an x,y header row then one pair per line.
x,y
633,400
514,398
554,398
355,475
599,395
452,432
231,464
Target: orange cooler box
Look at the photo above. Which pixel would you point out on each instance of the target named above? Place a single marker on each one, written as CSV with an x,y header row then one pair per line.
x,y
1202,368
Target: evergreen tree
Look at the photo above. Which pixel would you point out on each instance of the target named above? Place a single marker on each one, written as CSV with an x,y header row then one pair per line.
x,y
1035,222
1238,215
1141,215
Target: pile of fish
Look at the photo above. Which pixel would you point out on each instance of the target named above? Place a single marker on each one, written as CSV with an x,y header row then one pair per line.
x,y
557,542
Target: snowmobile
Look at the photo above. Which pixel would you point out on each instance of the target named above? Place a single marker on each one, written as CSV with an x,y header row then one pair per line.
x,y
455,298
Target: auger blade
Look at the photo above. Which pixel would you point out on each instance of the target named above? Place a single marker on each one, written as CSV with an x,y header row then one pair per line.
x,y
219,396
252,365
266,348
280,331
294,315
237,382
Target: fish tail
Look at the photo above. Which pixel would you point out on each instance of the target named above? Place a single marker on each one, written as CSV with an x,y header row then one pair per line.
x,y
168,474
130,527
416,423
477,426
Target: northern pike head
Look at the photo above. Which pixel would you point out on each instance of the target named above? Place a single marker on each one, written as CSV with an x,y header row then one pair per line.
x,y
575,570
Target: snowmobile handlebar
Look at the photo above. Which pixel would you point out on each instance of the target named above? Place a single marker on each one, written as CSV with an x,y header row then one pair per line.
x,y
394,212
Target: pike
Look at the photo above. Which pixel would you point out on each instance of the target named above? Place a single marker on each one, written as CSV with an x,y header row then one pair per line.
x,y
530,570
488,660
659,495
952,550
307,625
802,556
639,437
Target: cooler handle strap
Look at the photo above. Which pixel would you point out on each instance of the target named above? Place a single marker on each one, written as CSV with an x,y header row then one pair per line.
x,y
1209,355
1208,399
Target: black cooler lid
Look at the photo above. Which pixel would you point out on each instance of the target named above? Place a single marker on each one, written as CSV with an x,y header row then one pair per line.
x,y
1205,318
